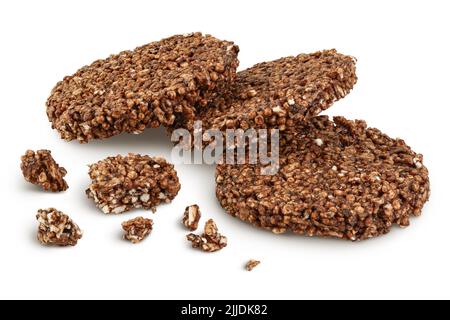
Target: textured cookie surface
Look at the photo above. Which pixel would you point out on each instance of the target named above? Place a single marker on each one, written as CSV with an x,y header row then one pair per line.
x,y
336,179
120,184
157,84
281,93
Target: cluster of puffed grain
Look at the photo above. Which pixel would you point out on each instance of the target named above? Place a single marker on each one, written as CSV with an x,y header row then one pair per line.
x,y
120,183
137,229
211,240
282,93
251,264
161,83
336,179
191,217
41,169
56,228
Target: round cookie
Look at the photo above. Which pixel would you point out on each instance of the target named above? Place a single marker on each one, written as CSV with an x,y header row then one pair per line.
x,y
153,85
281,93
336,179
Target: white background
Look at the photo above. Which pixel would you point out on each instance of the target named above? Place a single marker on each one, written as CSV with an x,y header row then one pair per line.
x,y
403,67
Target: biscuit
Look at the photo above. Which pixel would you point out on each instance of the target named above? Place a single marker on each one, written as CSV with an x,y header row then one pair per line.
x,y
157,84
120,184
336,179
281,93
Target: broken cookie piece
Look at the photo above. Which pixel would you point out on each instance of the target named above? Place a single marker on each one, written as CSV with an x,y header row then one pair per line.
x,y
56,228
123,183
210,241
251,264
191,217
41,169
137,229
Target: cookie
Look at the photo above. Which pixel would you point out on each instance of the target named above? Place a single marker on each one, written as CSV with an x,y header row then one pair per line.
x,y
336,179
120,184
157,84
281,93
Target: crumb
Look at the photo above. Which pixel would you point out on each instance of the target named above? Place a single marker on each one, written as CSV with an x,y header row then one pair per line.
x,y
41,169
251,264
210,241
56,228
137,229
191,217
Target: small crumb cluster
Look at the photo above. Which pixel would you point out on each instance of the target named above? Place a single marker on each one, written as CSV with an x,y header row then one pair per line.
x,y
120,184
41,169
137,229
56,228
251,264
210,241
191,217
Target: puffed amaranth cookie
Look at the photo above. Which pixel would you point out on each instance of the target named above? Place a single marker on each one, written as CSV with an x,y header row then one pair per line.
x,y
41,169
122,183
157,84
336,179
281,93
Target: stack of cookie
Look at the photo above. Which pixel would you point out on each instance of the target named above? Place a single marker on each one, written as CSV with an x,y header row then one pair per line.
x,y
335,178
